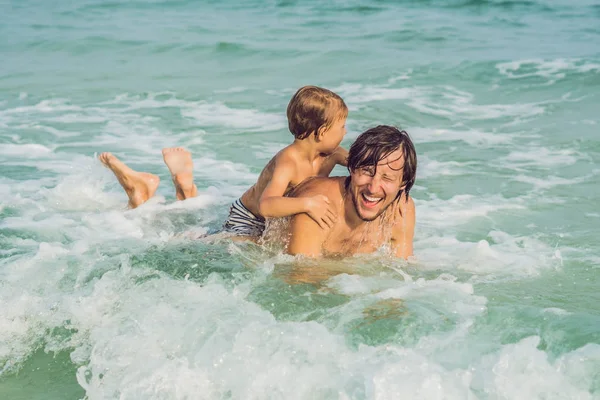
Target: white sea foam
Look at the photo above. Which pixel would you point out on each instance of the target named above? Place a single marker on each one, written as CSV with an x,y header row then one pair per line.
x,y
357,94
443,101
495,255
429,167
521,371
223,169
472,137
556,311
123,123
77,208
509,255
134,352
412,375
221,115
237,89
30,150
550,69
176,338
208,113
458,104
141,334
502,256
403,77
221,337
547,182
460,209
59,133
44,107
542,157
268,150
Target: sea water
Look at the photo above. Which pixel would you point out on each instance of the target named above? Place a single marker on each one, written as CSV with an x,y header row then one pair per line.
x,y
501,301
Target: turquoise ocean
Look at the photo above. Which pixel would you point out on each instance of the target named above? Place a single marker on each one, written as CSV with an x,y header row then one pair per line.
x,y
502,298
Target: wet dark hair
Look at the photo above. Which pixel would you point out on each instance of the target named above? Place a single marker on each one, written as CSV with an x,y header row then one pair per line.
x,y
375,144
313,108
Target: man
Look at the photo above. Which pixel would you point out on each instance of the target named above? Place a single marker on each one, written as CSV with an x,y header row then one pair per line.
x,y
373,207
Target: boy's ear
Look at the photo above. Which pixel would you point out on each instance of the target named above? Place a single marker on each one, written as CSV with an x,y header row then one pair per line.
x,y
320,133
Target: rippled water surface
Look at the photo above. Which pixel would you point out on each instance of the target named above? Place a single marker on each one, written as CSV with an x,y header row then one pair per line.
x,y
501,302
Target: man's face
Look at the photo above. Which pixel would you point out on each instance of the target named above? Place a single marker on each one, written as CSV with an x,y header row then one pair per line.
x,y
373,191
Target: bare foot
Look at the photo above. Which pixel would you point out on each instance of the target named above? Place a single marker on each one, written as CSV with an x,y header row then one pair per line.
x,y
179,161
139,186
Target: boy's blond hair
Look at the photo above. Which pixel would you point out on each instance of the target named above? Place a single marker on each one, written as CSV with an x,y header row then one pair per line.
x,y
313,108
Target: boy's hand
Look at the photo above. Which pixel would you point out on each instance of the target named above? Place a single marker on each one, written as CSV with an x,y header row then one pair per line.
x,y
319,208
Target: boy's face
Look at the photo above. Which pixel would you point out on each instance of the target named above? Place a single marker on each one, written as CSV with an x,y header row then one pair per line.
x,y
332,137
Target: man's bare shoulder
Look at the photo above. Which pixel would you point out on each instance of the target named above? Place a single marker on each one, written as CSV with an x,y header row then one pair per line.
x,y
408,204
404,214
403,229
329,186
405,206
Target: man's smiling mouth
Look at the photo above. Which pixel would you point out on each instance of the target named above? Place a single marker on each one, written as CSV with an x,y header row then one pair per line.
x,y
370,201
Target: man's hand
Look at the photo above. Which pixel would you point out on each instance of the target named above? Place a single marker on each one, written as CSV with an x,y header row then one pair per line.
x,y
320,210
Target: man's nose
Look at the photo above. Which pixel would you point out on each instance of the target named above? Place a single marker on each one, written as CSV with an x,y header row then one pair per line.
x,y
375,184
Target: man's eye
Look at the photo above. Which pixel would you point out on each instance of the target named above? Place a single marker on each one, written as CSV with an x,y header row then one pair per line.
x,y
368,171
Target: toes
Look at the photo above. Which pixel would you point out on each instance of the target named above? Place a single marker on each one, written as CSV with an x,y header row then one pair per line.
x,y
172,149
104,157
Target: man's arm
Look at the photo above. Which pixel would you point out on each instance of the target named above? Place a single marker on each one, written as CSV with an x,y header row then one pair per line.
x,y
404,229
306,237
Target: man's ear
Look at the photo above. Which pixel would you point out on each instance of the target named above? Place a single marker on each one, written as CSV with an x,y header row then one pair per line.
x,y
400,191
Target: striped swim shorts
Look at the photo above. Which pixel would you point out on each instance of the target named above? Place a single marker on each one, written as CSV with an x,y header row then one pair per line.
x,y
242,222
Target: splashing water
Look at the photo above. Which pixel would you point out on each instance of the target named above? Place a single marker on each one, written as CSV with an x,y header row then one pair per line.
x,y
101,302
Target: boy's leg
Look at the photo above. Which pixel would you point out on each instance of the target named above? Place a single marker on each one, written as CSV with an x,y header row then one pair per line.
x,y
139,186
179,161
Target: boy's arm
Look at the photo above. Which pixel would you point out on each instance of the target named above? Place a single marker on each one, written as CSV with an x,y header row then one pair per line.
x,y
404,230
338,157
273,204
307,237
341,156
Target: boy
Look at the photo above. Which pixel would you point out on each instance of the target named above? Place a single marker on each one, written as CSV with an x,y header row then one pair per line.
x,y
316,118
